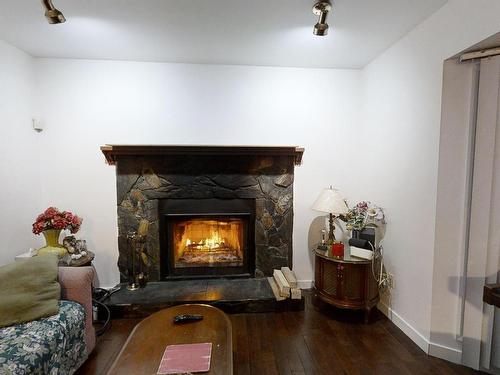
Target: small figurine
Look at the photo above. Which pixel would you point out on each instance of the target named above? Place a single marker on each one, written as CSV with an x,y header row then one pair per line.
x,y
323,236
76,248
322,245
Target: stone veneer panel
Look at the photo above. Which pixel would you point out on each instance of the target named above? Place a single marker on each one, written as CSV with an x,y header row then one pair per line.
x,y
142,181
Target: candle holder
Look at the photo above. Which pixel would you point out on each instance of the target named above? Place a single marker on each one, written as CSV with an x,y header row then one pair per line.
x,y
338,250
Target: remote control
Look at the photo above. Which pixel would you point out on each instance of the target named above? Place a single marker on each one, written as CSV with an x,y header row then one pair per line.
x,y
187,318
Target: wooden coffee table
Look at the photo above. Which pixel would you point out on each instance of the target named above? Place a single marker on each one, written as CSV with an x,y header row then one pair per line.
x,y
144,348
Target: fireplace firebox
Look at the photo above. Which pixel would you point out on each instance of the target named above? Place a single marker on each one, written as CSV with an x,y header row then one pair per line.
x,y
207,238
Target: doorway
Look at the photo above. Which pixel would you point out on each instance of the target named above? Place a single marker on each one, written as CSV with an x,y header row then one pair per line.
x,y
467,243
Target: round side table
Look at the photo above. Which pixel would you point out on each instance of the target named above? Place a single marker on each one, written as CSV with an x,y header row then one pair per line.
x,y
345,282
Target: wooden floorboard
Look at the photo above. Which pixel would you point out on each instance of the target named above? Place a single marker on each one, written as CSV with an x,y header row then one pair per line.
x,y
322,341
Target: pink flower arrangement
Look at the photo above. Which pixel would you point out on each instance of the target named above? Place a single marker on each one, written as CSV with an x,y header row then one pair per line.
x,y
52,218
362,213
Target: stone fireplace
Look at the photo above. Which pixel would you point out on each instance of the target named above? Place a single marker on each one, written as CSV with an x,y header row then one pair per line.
x,y
204,211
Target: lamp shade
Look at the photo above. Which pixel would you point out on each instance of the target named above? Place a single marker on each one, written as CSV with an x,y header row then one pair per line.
x,y
330,201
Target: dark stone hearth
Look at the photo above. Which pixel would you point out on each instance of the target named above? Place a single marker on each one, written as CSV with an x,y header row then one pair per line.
x,y
142,181
232,296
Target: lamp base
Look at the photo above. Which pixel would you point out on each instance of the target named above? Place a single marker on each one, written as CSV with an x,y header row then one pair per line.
x,y
331,230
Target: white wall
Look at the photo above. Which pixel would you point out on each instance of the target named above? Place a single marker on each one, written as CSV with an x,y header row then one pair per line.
x,y
402,96
85,104
20,184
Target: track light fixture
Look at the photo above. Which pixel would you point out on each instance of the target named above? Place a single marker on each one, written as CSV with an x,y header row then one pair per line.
x,y
53,15
321,9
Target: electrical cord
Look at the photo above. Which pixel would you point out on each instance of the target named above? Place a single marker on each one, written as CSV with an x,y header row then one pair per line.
x,y
106,292
105,323
98,302
378,253
382,278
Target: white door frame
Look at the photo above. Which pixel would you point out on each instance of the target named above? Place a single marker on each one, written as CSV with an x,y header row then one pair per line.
x,y
482,259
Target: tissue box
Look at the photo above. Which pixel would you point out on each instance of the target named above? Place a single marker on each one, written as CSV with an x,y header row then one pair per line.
x,y
361,253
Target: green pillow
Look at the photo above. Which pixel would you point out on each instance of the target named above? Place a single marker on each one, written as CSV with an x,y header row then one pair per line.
x,y
29,290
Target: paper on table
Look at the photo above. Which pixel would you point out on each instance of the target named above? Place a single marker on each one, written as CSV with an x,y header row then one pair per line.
x,y
186,358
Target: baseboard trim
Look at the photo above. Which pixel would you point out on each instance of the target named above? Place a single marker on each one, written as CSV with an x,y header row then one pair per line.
x,y
445,352
406,327
434,349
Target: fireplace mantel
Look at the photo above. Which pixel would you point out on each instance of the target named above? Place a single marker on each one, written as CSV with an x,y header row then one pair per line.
x,y
112,152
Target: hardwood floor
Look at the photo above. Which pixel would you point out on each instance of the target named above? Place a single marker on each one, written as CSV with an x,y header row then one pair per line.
x,y
317,342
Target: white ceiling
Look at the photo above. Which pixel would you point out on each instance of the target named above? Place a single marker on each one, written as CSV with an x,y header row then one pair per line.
x,y
250,32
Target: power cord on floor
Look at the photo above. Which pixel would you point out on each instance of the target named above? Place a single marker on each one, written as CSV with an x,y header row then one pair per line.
x,y
99,295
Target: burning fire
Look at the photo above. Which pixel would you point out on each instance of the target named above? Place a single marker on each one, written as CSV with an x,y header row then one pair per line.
x,y
201,242
214,243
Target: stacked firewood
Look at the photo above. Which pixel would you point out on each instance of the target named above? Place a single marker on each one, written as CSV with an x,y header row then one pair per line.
x,y
284,284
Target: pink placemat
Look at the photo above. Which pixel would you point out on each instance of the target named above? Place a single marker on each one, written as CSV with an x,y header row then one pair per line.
x,y
186,358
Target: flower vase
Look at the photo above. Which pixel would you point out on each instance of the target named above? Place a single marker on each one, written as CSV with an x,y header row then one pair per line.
x,y
53,246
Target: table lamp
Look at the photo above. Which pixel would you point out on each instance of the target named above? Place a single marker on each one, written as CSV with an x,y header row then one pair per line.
x,y
331,202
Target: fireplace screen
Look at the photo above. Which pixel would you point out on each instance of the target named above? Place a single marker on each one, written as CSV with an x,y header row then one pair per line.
x,y
201,242
207,238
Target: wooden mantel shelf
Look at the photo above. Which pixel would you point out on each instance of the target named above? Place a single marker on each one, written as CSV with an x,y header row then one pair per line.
x,y
112,152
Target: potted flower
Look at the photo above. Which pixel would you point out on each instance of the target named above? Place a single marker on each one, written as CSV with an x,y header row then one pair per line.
x,y
50,223
362,214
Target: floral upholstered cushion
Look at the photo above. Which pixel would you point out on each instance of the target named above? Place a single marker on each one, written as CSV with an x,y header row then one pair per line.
x,y
53,345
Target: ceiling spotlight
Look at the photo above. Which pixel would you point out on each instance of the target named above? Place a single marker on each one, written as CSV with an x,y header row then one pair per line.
x,y
321,9
53,15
